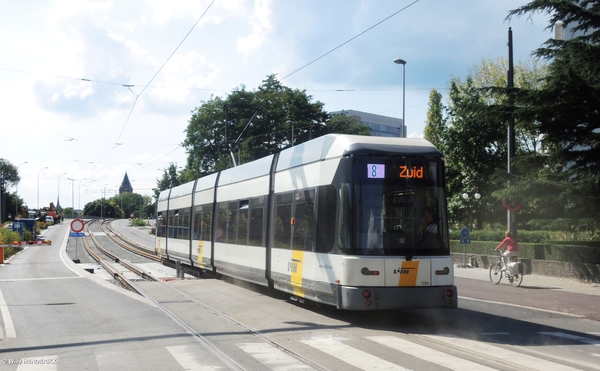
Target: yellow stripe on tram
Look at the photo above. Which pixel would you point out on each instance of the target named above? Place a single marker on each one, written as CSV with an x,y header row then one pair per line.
x,y
200,253
408,273
295,267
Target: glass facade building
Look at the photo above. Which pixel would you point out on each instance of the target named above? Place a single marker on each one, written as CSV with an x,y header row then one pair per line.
x,y
381,126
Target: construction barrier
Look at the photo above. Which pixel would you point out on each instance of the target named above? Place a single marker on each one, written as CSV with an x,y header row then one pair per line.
x,y
21,243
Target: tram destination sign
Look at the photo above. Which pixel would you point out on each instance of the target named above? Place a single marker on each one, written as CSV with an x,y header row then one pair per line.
x,y
377,171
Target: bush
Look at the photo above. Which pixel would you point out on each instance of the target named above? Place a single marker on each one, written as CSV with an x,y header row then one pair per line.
x,y
138,222
7,236
525,236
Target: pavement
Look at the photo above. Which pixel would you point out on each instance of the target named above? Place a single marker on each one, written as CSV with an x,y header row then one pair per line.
x,y
554,283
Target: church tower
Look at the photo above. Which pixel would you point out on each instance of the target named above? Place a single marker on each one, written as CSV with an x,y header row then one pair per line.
x,y
125,185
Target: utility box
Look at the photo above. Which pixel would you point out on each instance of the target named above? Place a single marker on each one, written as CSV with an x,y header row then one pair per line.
x,y
22,225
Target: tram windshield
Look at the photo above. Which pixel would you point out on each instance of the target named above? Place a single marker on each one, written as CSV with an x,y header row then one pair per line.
x,y
399,207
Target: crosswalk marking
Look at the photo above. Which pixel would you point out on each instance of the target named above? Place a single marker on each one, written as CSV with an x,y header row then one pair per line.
x,y
353,356
186,359
9,328
508,356
572,337
189,358
272,357
429,354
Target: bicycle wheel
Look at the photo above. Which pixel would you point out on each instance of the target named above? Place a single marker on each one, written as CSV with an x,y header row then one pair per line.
x,y
517,279
496,273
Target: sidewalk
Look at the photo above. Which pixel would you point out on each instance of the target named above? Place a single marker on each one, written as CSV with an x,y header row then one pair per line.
x,y
554,283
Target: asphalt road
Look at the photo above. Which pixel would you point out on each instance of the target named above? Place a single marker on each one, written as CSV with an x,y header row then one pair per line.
x,y
73,320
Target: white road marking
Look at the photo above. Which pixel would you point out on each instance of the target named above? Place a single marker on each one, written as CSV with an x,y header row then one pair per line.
x,y
350,355
507,356
9,327
188,360
572,337
272,357
428,354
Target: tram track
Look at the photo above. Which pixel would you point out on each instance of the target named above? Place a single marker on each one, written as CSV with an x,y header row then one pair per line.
x,y
156,291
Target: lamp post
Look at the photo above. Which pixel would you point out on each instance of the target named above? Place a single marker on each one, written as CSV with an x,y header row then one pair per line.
x,y
466,197
403,63
38,188
289,122
16,193
72,197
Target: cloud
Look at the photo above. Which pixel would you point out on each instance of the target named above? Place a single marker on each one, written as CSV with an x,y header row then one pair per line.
x,y
261,28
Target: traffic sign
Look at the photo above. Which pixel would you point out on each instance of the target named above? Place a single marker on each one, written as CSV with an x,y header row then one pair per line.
x,y
76,234
77,225
464,232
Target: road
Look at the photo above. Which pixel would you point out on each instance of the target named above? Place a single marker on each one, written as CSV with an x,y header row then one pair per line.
x,y
66,319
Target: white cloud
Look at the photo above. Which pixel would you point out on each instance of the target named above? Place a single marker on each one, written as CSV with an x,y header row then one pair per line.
x,y
261,28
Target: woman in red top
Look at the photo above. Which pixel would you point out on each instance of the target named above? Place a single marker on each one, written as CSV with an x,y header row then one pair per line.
x,y
511,248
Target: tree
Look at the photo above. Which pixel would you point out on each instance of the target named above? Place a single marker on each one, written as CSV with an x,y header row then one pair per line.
x,y
247,125
9,176
169,179
435,123
472,136
566,111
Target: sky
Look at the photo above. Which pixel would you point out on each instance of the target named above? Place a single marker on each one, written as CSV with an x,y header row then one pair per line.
x,y
91,90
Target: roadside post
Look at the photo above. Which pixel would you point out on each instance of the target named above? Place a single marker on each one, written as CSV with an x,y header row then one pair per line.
x,y
464,240
77,226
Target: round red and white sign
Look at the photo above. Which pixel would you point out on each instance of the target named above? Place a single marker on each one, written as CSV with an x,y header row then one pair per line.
x,y
77,225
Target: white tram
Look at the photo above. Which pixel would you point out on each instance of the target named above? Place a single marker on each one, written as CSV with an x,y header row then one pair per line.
x,y
337,220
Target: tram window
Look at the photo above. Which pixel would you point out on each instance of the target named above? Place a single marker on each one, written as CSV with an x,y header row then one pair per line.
x,y
232,222
161,231
345,219
172,226
283,217
223,217
242,223
304,220
184,225
197,223
327,201
206,226
256,232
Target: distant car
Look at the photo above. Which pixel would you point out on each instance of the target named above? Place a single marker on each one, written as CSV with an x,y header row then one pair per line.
x,y
49,220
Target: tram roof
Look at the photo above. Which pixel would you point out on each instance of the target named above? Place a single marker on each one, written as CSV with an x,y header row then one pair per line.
x,y
338,145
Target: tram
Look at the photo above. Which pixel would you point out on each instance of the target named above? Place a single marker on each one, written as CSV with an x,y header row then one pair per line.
x,y
356,222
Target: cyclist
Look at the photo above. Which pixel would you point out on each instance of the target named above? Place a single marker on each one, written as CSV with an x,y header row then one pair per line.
x,y
511,249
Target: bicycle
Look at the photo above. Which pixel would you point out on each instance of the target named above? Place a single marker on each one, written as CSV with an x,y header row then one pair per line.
x,y
496,272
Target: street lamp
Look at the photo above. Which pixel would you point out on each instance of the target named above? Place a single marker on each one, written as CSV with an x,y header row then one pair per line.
x,y
17,193
289,122
38,189
466,197
72,197
403,63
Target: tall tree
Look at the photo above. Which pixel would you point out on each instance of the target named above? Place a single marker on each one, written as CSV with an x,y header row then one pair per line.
x,y
567,109
435,124
472,136
9,176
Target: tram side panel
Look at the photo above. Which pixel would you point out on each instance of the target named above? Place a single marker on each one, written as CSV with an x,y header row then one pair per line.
x,y
304,228
202,221
179,218
240,230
